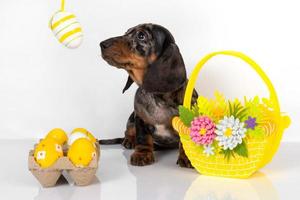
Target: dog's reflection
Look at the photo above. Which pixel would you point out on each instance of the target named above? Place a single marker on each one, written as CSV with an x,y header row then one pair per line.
x,y
163,179
63,190
257,187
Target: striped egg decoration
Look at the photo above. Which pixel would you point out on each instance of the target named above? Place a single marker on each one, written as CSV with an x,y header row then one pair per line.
x,y
66,29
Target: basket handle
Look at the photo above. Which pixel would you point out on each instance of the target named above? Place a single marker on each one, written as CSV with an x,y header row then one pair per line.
x,y
254,65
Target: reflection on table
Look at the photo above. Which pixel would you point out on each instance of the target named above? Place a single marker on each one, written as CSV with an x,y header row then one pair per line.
x,y
257,187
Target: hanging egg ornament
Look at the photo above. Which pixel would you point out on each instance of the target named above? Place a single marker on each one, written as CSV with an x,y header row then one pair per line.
x,y
66,28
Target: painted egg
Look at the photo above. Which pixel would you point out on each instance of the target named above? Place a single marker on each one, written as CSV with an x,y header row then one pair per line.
x,y
86,132
66,29
47,152
82,152
59,135
75,136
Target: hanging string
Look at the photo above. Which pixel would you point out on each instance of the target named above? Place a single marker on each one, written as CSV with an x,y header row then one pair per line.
x,y
62,7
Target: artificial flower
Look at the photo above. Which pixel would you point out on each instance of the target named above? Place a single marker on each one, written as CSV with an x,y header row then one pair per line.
x,y
230,132
250,122
208,150
202,130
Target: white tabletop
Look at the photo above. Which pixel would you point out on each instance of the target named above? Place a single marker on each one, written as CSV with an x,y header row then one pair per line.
x,y
117,179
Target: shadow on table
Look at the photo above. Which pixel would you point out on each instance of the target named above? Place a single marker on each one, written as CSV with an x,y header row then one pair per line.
x,y
65,191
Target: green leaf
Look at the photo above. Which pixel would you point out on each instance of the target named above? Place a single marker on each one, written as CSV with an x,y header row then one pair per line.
x,y
254,108
237,110
204,106
186,115
230,108
241,149
227,153
195,110
258,132
255,100
242,113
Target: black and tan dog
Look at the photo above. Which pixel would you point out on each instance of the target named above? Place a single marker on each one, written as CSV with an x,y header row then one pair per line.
x,y
153,61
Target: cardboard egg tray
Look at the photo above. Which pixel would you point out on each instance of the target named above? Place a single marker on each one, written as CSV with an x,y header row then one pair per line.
x,y
49,176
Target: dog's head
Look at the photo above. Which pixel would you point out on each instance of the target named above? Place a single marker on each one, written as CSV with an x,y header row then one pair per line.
x,y
150,56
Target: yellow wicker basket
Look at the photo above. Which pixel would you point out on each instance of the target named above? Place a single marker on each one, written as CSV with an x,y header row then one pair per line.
x,y
260,150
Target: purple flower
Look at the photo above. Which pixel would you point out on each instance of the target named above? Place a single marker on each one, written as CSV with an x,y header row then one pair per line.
x,y
251,122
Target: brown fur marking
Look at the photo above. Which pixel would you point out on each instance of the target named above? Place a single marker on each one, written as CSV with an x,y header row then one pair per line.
x,y
149,54
142,158
183,160
129,140
133,63
143,153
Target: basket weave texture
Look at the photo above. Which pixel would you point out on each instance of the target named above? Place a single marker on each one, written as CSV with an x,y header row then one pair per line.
x,y
260,149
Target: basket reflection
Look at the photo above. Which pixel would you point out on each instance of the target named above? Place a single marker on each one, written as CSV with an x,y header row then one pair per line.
x,y
258,187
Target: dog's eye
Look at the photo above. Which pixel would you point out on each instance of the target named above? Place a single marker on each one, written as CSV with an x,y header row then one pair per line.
x,y
141,36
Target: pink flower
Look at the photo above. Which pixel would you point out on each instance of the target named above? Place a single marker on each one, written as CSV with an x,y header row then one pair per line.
x,y
202,130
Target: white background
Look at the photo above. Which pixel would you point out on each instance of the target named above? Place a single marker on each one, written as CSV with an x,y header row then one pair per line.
x,y
44,85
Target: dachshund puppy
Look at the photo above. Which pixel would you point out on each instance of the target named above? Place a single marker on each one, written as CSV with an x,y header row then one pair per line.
x,y
149,54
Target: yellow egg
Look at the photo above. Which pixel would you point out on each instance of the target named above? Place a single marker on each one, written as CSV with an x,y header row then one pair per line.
x,y
81,152
47,152
66,29
75,136
86,132
59,135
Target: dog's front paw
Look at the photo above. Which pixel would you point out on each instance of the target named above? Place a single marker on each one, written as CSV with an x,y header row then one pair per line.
x,y
142,159
184,162
128,143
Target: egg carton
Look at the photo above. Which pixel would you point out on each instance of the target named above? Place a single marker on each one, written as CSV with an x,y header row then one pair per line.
x,y
48,177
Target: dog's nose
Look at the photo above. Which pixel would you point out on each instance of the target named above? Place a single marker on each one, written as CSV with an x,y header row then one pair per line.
x,y
105,44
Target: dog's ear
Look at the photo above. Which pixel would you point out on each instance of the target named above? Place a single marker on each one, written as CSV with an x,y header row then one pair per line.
x,y
128,84
167,73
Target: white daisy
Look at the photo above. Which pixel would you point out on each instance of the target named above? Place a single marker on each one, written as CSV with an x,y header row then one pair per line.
x,y
208,150
230,132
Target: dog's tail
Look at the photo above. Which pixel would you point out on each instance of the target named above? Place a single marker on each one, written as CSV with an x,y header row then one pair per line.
x,y
111,141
